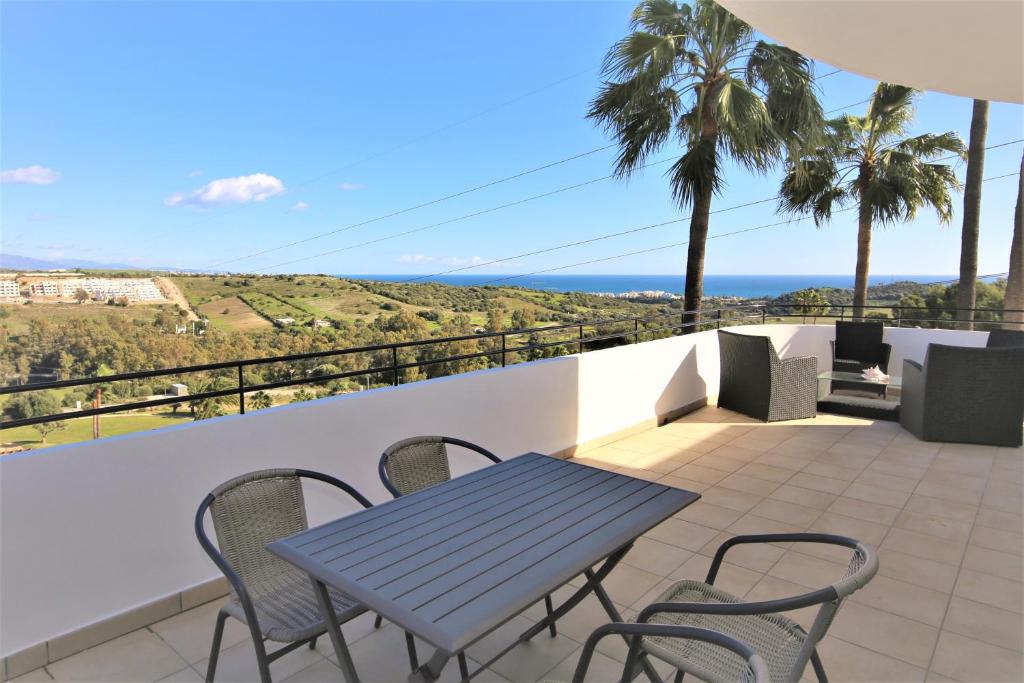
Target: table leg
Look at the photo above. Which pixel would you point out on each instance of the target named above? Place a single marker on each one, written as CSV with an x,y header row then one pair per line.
x,y
348,667
431,671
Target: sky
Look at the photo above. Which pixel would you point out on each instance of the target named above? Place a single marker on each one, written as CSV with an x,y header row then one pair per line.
x,y
211,135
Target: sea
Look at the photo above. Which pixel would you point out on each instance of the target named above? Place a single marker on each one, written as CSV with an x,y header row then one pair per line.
x,y
744,286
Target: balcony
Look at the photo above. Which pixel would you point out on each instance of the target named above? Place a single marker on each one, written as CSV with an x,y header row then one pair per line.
x,y
87,604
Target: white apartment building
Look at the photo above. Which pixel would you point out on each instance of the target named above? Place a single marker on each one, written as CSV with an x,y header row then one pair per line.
x,y
133,289
9,289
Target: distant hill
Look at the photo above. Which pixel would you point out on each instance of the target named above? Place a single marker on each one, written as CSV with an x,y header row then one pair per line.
x,y
17,262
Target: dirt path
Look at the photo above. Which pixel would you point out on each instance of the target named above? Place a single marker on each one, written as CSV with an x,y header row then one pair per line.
x,y
175,296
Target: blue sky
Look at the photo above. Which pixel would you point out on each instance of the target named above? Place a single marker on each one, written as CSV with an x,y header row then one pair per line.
x,y
337,113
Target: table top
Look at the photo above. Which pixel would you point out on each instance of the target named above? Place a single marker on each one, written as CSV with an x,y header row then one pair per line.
x,y
892,381
454,561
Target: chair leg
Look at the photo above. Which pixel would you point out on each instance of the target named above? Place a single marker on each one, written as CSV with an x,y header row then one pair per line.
x,y
463,667
410,645
261,656
218,632
550,609
378,621
312,642
819,669
679,677
348,667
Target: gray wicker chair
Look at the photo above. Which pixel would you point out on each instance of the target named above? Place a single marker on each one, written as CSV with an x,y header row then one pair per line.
x,y
965,394
750,666
857,347
756,382
273,598
1000,338
782,642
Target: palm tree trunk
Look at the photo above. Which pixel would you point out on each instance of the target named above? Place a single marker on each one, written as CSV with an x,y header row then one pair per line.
x,y
965,299
860,281
1014,300
699,220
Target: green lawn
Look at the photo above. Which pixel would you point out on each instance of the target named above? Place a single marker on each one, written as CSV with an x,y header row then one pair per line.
x,y
80,429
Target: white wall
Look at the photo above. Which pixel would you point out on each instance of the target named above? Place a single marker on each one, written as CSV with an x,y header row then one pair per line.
x,y
93,529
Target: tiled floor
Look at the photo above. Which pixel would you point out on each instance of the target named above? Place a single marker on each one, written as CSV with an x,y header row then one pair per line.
x,y
946,604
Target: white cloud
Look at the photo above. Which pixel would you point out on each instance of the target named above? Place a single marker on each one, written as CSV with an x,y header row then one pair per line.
x,y
32,175
351,187
38,217
422,259
240,190
196,173
299,206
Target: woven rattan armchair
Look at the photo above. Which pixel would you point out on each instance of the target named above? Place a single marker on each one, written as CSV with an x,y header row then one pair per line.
x,y
756,382
857,347
965,394
749,664
782,642
999,338
273,598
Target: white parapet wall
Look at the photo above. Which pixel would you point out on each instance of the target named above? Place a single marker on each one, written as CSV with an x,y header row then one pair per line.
x,y
94,530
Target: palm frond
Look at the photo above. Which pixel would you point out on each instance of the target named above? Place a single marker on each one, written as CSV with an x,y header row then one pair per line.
x,y
744,125
695,172
661,17
790,97
640,113
891,108
931,145
641,52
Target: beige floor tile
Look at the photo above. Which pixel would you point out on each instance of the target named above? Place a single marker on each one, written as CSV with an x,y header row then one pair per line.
x,y
802,496
188,675
698,473
996,539
955,494
921,545
753,524
786,461
685,484
882,466
237,664
905,599
741,482
805,570
706,514
136,657
656,557
756,556
942,527
990,590
966,659
822,469
731,578
817,483
773,588
961,512
917,570
984,622
881,631
873,494
728,498
39,675
600,669
845,661
798,516
778,475
997,519
581,620
1014,503
869,512
719,462
865,532
884,480
1004,565
625,584
190,633
682,534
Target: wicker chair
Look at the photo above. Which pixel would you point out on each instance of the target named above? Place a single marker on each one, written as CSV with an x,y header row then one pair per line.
x,y
756,382
999,339
857,347
750,666
272,597
965,394
782,642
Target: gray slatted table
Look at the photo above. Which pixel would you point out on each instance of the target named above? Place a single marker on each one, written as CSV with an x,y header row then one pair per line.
x,y
454,561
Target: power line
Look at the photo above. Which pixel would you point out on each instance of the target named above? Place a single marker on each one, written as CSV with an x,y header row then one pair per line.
x,y
413,208
680,244
450,196
452,220
630,231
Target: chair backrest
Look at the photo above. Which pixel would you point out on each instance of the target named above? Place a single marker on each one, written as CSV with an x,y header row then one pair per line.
x,y
413,464
980,386
252,510
856,340
1000,338
745,378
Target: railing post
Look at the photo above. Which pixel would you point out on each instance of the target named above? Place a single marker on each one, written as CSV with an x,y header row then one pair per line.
x,y
502,349
394,365
764,313
241,391
899,316
636,330
718,322
581,339
842,311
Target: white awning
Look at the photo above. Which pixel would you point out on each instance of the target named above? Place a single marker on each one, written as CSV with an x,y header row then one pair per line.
x,y
971,48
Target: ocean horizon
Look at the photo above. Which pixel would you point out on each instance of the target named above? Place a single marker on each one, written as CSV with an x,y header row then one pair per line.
x,y
745,286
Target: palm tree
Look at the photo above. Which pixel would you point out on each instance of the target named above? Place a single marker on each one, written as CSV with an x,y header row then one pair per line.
x,y
867,161
698,74
260,400
972,214
1014,300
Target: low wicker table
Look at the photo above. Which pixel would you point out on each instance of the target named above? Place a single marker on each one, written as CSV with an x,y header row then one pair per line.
x,y
887,408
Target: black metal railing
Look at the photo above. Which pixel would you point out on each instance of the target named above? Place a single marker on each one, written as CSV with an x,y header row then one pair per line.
x,y
576,338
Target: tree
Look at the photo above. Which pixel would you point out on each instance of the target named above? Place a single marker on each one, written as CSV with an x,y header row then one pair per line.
x,y
866,161
810,302
81,296
495,318
36,404
1013,303
523,319
260,400
972,213
303,395
700,75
